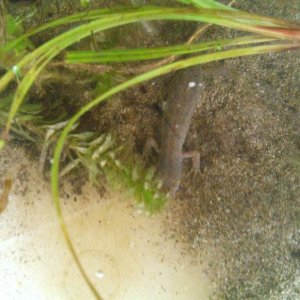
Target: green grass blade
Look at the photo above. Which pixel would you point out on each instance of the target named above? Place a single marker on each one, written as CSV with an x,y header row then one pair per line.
x,y
224,16
75,256
80,17
116,19
42,55
206,4
125,55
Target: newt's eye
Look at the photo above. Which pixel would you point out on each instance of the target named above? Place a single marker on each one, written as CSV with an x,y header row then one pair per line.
x,y
191,84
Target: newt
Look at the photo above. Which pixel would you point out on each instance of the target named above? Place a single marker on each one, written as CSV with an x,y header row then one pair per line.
x,y
184,92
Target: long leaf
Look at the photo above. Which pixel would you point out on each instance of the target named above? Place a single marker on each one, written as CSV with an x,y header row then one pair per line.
x,y
125,55
206,4
49,50
151,15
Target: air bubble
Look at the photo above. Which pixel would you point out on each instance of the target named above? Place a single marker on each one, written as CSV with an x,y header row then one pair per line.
x,y
99,274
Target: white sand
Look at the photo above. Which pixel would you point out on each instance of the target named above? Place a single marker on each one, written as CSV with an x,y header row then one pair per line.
x,y
125,253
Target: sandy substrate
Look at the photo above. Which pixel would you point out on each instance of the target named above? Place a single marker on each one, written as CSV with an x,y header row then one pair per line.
x,y
126,254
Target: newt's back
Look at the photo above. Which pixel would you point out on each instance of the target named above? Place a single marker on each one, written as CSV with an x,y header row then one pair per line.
x,y
184,92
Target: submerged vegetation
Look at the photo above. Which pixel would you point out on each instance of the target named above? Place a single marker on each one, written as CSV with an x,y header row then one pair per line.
x,y
98,153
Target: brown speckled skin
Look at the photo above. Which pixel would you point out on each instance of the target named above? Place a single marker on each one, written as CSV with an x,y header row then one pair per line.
x,y
181,101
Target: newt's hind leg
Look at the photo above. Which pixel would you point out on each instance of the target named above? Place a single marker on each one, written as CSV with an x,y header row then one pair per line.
x,y
195,156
